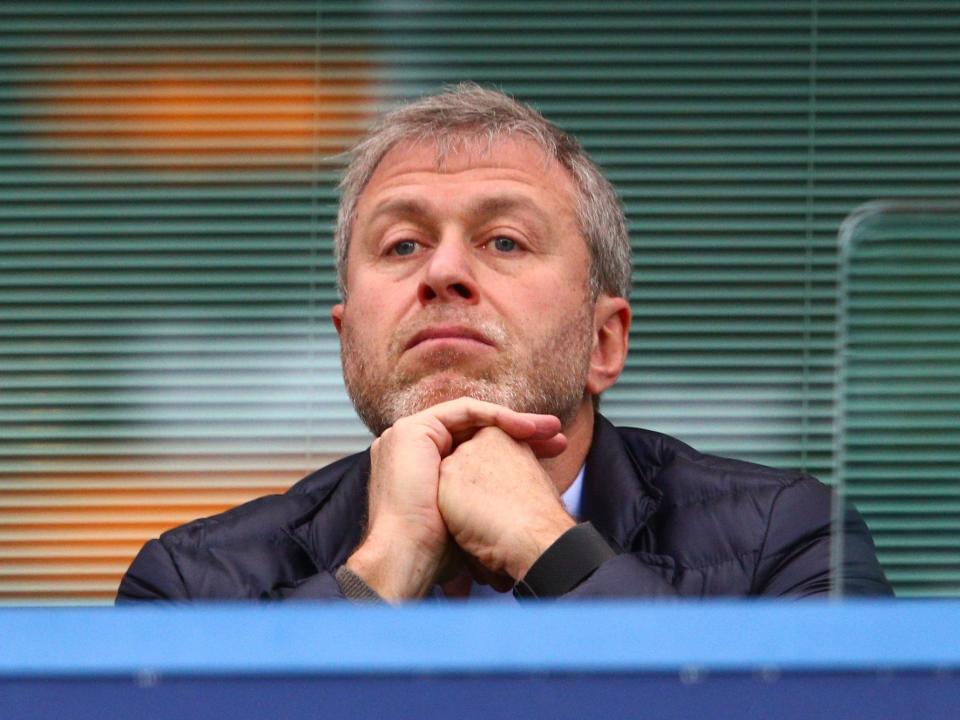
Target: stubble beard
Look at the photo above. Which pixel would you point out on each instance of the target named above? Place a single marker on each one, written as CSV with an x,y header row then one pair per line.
x,y
549,379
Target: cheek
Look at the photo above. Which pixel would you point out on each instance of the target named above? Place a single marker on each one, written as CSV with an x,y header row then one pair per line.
x,y
373,295
548,306
530,296
367,307
359,334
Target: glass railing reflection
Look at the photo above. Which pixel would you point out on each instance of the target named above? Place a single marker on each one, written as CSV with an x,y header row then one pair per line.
x,y
898,439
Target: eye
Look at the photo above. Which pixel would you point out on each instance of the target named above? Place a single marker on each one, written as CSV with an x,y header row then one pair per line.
x,y
404,247
504,244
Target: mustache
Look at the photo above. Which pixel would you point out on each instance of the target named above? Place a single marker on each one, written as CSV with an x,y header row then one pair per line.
x,y
410,332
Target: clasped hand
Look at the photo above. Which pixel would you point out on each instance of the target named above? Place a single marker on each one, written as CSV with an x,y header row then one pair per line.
x,y
459,484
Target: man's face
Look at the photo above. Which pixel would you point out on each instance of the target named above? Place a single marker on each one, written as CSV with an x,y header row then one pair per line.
x,y
470,279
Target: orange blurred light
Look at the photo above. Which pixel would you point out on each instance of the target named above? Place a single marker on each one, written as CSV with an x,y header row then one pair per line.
x,y
180,115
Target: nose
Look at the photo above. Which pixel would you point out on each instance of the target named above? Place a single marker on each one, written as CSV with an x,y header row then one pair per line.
x,y
448,274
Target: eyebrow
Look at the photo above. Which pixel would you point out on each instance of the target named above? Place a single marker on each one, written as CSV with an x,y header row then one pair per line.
x,y
401,207
493,205
502,204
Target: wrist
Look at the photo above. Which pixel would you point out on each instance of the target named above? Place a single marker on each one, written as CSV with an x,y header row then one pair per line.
x,y
394,569
536,541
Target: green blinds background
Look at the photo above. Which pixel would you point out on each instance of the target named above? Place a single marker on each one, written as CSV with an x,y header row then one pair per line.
x,y
900,432
166,199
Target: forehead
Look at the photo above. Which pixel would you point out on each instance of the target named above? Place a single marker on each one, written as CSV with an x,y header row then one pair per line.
x,y
468,164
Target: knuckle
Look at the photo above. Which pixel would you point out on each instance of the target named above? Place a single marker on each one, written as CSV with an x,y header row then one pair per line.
x,y
471,404
447,465
402,426
489,432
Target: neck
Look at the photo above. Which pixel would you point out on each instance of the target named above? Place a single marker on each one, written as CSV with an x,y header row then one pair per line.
x,y
563,469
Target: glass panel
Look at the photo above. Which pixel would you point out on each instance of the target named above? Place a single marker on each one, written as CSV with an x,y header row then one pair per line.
x,y
899,445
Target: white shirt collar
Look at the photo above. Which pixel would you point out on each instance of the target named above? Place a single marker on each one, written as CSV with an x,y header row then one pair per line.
x,y
574,494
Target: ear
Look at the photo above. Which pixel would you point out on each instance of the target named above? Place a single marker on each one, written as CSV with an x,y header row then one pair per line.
x,y
610,342
336,314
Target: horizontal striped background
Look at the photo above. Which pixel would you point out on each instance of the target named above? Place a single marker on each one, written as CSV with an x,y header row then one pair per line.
x,y
166,199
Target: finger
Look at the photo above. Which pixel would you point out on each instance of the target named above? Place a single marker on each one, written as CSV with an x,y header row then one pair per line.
x,y
527,426
541,447
501,582
457,587
551,442
547,427
465,413
551,447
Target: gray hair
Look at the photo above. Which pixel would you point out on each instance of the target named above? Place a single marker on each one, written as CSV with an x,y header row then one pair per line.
x,y
470,111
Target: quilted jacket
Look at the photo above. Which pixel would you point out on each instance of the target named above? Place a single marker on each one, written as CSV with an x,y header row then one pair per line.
x,y
682,523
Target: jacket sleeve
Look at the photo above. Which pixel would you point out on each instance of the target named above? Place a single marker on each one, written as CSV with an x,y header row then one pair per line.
x,y
153,575
628,575
795,558
322,586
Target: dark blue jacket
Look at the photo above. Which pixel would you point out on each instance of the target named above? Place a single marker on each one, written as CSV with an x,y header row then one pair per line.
x,y
683,524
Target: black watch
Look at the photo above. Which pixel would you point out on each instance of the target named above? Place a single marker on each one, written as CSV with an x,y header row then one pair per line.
x,y
568,562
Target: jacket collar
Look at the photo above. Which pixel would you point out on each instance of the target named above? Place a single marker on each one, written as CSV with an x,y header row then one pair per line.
x,y
333,527
618,497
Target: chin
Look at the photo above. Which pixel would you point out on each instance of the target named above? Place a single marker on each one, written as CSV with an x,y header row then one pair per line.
x,y
450,385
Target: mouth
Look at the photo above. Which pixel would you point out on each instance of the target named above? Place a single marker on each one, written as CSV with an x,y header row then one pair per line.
x,y
448,334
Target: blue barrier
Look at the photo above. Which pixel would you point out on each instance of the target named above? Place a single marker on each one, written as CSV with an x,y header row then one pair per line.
x,y
671,659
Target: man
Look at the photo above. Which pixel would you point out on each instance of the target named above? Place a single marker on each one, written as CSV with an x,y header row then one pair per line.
x,y
484,267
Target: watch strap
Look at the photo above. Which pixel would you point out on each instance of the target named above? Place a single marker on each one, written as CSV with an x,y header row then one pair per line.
x,y
568,562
